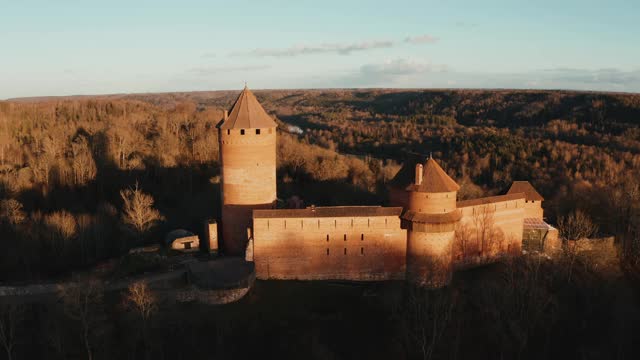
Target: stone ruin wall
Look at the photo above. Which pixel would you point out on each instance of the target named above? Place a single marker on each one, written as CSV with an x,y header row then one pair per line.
x,y
297,248
501,223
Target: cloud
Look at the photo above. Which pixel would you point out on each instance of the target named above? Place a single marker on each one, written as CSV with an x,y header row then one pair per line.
x,y
335,48
392,72
211,70
610,76
209,55
421,39
342,49
400,67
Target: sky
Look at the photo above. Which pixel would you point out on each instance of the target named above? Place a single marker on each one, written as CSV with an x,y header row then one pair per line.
x,y
71,47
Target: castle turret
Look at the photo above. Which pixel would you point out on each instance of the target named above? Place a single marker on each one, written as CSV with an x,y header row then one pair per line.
x,y
430,218
247,136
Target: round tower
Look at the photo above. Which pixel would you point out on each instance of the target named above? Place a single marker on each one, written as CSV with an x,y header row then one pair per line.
x,y
247,137
431,216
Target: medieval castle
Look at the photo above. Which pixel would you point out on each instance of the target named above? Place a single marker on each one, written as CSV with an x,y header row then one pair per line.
x,y
423,238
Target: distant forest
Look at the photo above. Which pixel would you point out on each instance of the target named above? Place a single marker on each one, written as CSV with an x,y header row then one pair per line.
x,y
84,179
64,162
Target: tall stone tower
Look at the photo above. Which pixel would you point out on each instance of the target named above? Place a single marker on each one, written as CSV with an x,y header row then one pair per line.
x,y
431,217
247,136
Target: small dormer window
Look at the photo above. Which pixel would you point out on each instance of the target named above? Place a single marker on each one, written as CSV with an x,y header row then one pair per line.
x,y
241,131
257,131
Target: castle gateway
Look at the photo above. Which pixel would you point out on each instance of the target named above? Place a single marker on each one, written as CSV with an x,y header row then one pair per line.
x,y
423,238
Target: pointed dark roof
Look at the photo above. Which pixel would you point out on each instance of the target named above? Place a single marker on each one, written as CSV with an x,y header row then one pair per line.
x,y
434,178
527,189
247,113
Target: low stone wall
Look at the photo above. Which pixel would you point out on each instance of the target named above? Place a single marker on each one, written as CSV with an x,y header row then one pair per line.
x,y
210,297
210,282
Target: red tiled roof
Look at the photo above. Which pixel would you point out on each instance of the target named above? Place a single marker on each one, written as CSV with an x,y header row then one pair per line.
x,y
432,218
535,223
490,200
329,211
247,113
526,188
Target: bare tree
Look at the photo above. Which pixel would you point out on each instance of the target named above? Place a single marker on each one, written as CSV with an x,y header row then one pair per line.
x,y
462,240
81,302
11,211
483,221
141,298
138,213
424,316
10,316
144,302
573,227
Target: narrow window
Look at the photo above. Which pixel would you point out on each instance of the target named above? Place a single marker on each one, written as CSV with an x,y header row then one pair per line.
x,y
361,237
345,237
361,251
351,222
241,131
327,237
267,224
368,222
345,251
318,223
285,224
327,251
302,224
257,131
228,132
385,222
335,223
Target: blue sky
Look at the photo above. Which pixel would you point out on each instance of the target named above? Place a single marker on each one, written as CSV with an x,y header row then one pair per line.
x,y
66,47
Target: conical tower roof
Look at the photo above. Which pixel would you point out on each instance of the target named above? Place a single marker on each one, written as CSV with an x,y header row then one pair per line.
x,y
247,113
434,178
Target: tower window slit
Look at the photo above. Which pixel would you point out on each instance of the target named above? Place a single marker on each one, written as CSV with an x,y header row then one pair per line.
x,y
327,251
361,237
361,251
257,131
327,237
228,132
345,237
345,251
241,131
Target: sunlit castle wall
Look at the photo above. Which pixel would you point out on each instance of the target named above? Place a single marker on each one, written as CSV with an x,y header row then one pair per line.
x,y
248,163
430,219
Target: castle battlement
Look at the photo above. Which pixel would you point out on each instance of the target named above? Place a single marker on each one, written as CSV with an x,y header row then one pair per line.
x,y
425,236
